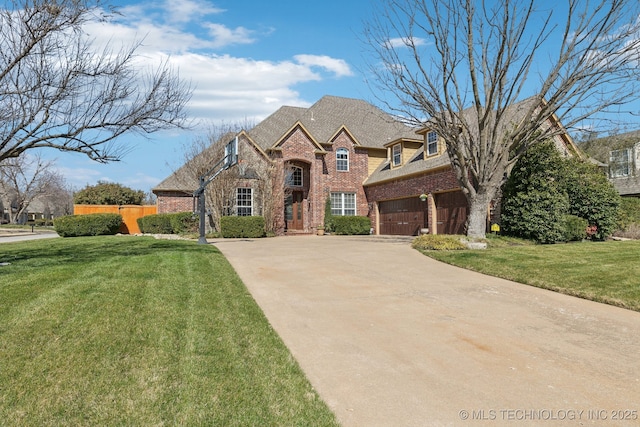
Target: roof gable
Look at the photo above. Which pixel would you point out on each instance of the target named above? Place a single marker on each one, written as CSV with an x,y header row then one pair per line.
x,y
367,125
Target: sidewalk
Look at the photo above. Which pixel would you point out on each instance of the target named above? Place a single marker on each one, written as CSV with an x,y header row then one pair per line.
x,y
18,234
390,337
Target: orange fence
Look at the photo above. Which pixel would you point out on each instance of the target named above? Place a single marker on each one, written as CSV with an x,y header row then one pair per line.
x,y
130,214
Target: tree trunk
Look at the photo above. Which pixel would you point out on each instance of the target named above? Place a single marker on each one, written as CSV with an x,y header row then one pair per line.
x,y
478,211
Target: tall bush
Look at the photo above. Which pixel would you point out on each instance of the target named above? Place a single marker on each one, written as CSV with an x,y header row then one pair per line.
x,y
533,201
591,196
544,187
108,193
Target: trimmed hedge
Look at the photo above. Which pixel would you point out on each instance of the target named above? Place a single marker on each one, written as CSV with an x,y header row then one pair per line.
x,y
242,226
155,224
87,225
184,222
168,223
349,225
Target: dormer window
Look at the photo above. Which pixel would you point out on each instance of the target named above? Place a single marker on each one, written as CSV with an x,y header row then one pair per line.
x,y
432,143
396,155
342,160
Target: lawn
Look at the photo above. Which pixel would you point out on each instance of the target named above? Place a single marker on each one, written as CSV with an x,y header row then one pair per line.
x,y
607,272
136,331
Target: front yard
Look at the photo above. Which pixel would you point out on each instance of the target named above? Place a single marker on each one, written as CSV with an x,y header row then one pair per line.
x,y
136,331
607,272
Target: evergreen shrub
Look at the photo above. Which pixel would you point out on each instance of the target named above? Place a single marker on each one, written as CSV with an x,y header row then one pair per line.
x,y
155,224
242,226
575,228
351,225
87,225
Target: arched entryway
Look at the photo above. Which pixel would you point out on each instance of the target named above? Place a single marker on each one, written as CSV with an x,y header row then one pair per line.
x,y
296,195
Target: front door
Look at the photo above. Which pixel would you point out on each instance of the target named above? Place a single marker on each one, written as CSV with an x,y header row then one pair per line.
x,y
293,211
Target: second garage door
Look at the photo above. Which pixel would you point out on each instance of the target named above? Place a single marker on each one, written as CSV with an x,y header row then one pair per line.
x,y
452,212
403,217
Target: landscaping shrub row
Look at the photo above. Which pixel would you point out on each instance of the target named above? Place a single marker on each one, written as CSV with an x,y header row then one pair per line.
x,y
438,242
168,223
348,225
242,226
87,225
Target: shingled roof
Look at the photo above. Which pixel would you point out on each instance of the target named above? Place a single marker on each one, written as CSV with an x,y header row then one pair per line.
x,y
370,126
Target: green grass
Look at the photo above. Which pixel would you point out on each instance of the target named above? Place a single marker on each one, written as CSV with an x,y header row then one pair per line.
x,y
140,332
607,272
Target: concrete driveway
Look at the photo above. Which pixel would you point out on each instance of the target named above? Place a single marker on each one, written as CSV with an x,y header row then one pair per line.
x,y
389,337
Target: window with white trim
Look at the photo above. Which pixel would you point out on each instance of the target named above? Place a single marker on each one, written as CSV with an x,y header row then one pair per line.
x,y
343,204
432,143
396,155
244,201
294,177
620,163
342,159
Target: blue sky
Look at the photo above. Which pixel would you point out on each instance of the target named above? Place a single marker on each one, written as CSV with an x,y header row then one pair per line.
x,y
244,58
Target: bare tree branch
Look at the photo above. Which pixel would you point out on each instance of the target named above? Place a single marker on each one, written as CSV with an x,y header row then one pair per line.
x,y
57,91
466,67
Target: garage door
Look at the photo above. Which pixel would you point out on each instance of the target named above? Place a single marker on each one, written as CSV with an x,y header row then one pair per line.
x,y
452,212
403,217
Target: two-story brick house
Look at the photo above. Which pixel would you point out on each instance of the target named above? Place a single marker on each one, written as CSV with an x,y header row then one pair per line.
x,y
361,158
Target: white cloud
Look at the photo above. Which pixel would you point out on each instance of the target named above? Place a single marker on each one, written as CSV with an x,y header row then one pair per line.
x,y
337,66
223,36
226,87
404,42
184,11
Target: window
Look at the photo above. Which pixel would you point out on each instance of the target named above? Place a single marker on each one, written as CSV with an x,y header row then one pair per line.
x,y
342,160
244,202
294,177
343,204
619,163
397,154
432,143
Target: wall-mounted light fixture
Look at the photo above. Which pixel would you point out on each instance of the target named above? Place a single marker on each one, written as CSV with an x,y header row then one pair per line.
x,y
423,197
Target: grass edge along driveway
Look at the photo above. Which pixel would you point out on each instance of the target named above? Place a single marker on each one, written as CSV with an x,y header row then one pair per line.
x,y
607,272
136,331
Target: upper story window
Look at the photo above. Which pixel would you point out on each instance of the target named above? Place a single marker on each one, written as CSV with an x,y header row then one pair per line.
x,y
396,155
294,177
432,143
342,160
620,163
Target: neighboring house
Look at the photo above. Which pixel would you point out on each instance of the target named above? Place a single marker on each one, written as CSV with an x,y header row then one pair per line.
x,y
624,170
361,158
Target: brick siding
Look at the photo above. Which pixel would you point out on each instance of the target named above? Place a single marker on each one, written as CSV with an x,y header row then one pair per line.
x,y
174,201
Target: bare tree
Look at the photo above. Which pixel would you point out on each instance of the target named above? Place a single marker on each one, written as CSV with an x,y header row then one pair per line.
x,y
57,91
465,65
26,179
200,157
